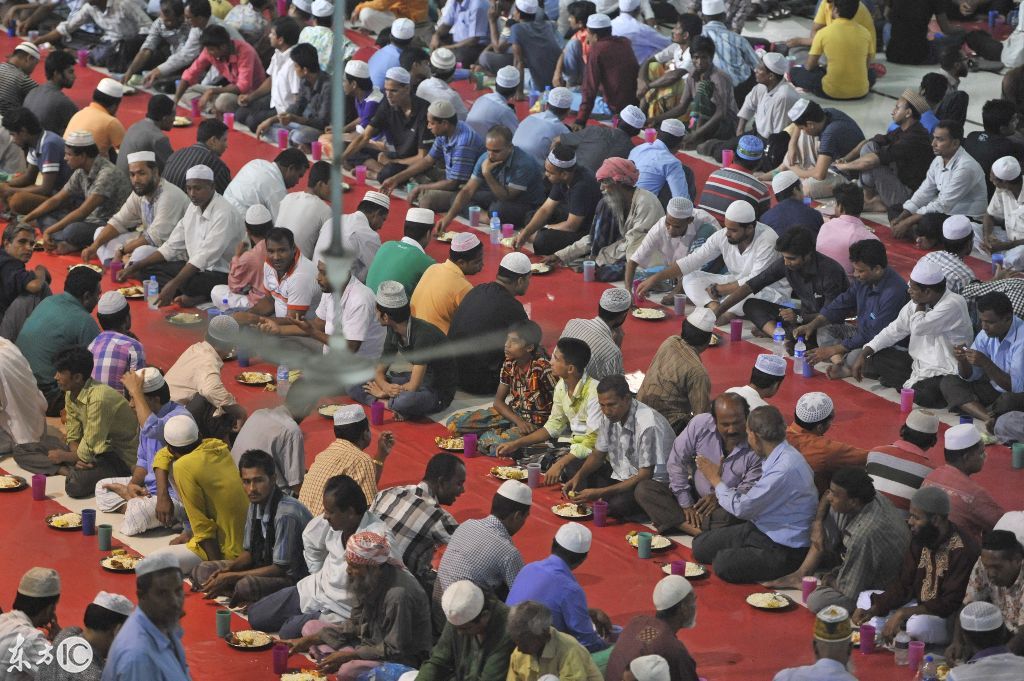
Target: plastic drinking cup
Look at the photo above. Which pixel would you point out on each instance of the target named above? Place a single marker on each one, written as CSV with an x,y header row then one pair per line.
x,y
229,120
32,35
280,657
807,587
589,270
360,175
89,521
469,444
115,267
243,356
282,139
650,134
679,567
317,149
736,330
1017,455
83,57
643,544
679,304
38,487
906,400
727,156
105,533
997,260
533,475
966,419
993,17
213,312
282,10
600,513
915,654
474,216
377,413
867,639
194,104
223,623
11,31
507,230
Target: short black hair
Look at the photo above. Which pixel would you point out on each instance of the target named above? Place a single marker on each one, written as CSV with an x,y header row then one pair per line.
x,y
702,45
996,301
353,432
13,228
281,235
75,359
257,458
305,56
1003,541
694,337
465,256
787,192
950,56
20,119
563,152
934,86
33,605
915,437
346,493
114,320
287,29
397,314
209,128
810,425
530,333
200,8
368,208
82,281
614,383
262,229
954,456
411,56
601,32
847,9
502,90
692,24
870,252
763,380
442,466
502,507
57,61
319,172
621,125
797,241
580,10
856,482
669,140
364,84
954,128
291,157
99,618
575,352
812,114
850,197
416,230
89,150
996,114
105,100
160,106
214,35
930,227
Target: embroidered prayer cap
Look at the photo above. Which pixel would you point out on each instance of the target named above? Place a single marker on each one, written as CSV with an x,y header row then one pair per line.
x,y
710,8
784,180
322,8
814,407
111,88
152,379
750,147
516,262
923,421
40,582
349,413
443,58
180,431
199,172
421,216
561,97
223,328
981,616
916,100
516,491
932,500
631,115
798,109
122,605
29,49
397,74
507,76
161,560
650,668
670,590
956,227
963,436
367,548
441,108
142,157
598,21
618,170
574,537
629,5
111,302
616,300
79,138
674,127
833,624
527,6
382,200
1006,168
403,29
463,601
258,214
702,318
680,208
740,211
464,241
926,273
776,63
357,68
773,365
391,295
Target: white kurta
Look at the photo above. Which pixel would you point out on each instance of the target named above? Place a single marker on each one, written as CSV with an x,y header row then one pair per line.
x,y
206,238
22,406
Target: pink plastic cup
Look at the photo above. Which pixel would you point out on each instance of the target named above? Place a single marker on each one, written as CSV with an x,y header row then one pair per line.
x,y
469,445
736,330
38,487
600,513
727,156
282,139
906,400
650,134
115,267
867,639
280,658
507,230
807,586
360,175
195,108
83,57
678,567
377,413
915,654
229,120
282,10
317,149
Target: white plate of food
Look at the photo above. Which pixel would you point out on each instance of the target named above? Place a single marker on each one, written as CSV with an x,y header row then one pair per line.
x,y
508,242
184,318
509,473
120,561
658,542
446,237
132,292
182,121
254,378
328,410
303,675
649,313
772,600
65,522
693,570
12,483
249,639
452,443
573,510
540,268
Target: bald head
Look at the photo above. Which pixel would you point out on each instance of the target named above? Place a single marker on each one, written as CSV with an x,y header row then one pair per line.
x,y
730,412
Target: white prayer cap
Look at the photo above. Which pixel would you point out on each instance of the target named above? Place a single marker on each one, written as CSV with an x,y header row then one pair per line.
x,y
926,273
357,68
441,108
397,74
391,295
258,214
784,180
382,200
963,436
814,407
981,616
923,421
776,63
773,365
1012,521
161,560
349,413
142,157
462,602
680,208
114,603
403,29
560,97
574,537
223,328
631,115
507,76
79,138
527,6
180,431
670,590
141,253
546,677
1006,168
650,668
516,262
152,379
741,212
702,318
798,109
464,241
712,7
422,216
304,5
517,492
111,88
29,49
411,676
40,582
111,302
443,58
956,227
199,172
616,300
322,8
673,126
629,5
598,20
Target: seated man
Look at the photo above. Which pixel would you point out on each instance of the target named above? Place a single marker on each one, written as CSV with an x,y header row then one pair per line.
x,y
542,649
611,69
737,182
121,23
23,417
663,74
1001,230
47,170
986,636
644,39
271,557
897,470
436,87
167,49
32,618
875,299
603,334
687,503
777,510
790,211
766,105
848,48
281,88
831,134
404,260
997,578
464,27
444,286
593,144
266,182
116,351
832,645
676,384
306,212
955,240
211,143
632,446
996,140
812,418
661,172
276,431
490,110
308,115
708,101
932,581
100,118
937,321
52,107
766,377
537,132
245,277
550,583
20,289
237,62
734,53
149,133
196,256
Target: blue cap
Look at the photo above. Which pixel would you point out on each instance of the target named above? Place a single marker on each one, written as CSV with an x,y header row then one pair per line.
x,y
750,147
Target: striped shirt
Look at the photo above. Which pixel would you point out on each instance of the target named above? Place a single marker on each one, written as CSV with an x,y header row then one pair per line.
x,y
459,152
642,440
115,354
957,273
14,85
48,156
897,471
121,20
340,458
417,521
733,183
605,355
481,551
181,160
733,53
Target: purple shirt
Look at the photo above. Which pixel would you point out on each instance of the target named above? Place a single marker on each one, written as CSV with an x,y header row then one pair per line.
x,y
741,470
115,354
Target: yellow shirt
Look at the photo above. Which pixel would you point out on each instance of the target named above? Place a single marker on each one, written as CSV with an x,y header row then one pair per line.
x,y
410,9
862,17
439,291
847,47
106,130
211,492
563,656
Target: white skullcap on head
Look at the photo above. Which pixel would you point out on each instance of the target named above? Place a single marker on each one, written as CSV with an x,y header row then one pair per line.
x,y
784,180
111,88
161,560
814,407
464,241
516,262
680,208
422,216
702,318
304,5
923,421
397,74
629,5
1006,168
616,300
411,676
798,109
670,590
391,295
199,172
1012,521
322,8
574,537
111,302
403,29
560,97
650,668
180,431
382,200
29,49
141,253
152,379
357,68
441,108
773,365
527,6
122,605
632,115
79,138
673,126
142,157
349,413
443,58
598,20
258,214
981,616
507,76
548,677
776,63
40,582
462,602
223,328
741,212
963,436
927,273
712,7
516,491
956,227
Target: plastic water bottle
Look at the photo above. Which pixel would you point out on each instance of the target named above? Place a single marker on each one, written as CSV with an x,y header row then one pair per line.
x,y
495,228
779,338
544,98
901,648
153,293
929,670
799,356
224,305
282,383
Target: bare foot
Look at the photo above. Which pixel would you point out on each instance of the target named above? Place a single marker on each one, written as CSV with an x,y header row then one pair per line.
x,y
63,248
189,301
838,371
791,581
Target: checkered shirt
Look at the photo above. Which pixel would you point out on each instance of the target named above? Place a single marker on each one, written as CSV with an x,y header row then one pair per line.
x,y
417,521
115,354
480,551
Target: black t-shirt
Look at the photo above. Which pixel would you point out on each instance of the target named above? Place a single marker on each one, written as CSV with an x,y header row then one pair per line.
x,y
487,309
910,19
426,345
13,278
987,148
406,133
581,196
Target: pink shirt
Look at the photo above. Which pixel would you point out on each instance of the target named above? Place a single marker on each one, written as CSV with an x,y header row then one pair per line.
x,y
247,270
972,508
242,67
837,235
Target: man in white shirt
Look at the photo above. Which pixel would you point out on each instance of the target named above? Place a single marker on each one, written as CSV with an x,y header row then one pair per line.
x,y
442,68
1002,228
305,213
21,629
937,321
768,104
498,107
280,89
766,378
360,232
22,407
266,182
832,646
147,218
746,246
197,255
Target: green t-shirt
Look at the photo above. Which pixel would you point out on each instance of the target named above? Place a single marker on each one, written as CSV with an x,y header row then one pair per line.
x,y
398,261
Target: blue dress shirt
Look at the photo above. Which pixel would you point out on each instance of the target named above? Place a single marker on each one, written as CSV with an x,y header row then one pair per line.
x,y
491,110
1008,355
151,441
142,652
874,305
792,213
535,133
382,60
658,166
